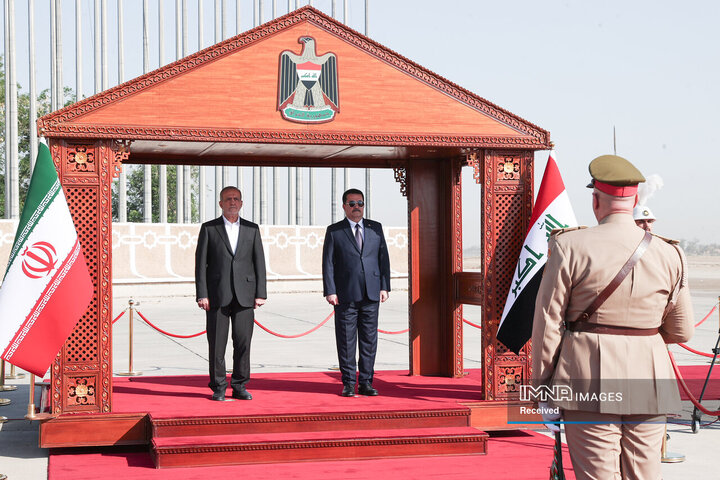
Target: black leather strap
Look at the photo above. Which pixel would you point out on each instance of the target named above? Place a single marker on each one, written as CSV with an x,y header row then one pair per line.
x,y
624,271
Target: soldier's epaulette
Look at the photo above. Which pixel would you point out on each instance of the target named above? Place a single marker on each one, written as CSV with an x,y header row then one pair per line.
x,y
668,240
559,231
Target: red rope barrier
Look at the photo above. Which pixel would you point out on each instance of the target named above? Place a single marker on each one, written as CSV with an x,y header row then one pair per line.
x,y
712,413
706,316
299,334
394,333
168,333
472,324
118,317
256,323
696,352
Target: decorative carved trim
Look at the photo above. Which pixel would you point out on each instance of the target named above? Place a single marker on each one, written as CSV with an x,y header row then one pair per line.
x,y
509,377
472,159
400,174
175,422
80,159
508,168
90,180
81,391
121,151
50,125
480,438
457,259
104,287
284,136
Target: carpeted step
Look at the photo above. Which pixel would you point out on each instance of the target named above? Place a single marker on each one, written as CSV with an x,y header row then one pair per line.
x,y
192,451
300,422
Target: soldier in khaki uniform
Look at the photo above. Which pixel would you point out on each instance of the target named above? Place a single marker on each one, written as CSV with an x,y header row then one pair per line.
x,y
615,360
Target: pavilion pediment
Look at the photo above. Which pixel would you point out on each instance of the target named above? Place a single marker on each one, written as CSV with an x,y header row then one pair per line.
x,y
238,91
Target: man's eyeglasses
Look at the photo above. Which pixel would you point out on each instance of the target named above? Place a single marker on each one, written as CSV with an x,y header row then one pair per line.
x,y
352,203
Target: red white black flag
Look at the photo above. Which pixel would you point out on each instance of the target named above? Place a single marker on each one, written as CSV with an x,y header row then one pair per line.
x,y
552,210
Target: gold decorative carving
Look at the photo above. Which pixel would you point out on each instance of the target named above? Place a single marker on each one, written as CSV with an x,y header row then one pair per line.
x,y
508,168
81,159
81,391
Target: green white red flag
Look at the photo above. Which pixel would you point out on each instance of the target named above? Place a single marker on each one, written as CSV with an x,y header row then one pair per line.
x,y
552,210
47,286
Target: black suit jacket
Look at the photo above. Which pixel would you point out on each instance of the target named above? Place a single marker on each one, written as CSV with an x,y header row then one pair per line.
x,y
349,272
217,270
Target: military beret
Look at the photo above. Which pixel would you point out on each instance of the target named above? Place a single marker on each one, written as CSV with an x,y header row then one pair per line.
x,y
615,175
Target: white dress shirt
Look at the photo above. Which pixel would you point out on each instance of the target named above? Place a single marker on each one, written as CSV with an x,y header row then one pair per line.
x,y
233,230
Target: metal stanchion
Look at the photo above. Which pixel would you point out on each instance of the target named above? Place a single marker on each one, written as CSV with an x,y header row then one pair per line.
x,y
12,375
31,413
3,401
670,457
130,372
3,387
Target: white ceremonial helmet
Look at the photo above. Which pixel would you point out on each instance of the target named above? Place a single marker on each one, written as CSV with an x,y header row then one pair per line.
x,y
642,212
646,190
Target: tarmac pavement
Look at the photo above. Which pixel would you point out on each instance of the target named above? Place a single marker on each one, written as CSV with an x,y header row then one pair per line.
x,y
292,313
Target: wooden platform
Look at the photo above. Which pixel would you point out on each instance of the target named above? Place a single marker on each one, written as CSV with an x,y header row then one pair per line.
x,y
293,417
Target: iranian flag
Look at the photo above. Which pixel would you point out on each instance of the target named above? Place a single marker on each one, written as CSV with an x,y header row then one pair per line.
x,y
552,210
47,286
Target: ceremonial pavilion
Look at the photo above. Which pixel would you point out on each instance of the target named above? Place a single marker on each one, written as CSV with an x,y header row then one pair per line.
x,y
264,98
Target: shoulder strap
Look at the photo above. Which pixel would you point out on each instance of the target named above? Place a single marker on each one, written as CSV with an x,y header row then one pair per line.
x,y
627,268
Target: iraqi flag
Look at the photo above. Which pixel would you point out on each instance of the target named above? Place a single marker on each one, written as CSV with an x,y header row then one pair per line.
x,y
47,285
552,210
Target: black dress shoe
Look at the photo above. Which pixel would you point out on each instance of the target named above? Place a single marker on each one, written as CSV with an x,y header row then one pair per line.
x,y
348,390
242,394
218,396
367,389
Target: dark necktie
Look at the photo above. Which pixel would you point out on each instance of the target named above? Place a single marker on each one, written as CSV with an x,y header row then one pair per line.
x,y
358,236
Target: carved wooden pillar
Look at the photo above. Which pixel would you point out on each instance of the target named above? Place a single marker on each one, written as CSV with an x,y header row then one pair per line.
x,y
435,225
82,372
507,198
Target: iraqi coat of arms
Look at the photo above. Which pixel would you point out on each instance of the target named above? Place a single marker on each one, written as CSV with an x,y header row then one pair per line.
x,y
308,85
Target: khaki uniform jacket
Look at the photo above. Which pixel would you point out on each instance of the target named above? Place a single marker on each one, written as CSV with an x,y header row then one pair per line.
x,y
602,367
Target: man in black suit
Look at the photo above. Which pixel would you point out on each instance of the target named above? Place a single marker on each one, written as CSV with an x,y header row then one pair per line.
x,y
230,283
356,278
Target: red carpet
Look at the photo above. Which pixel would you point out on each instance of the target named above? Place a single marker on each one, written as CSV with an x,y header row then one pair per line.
x,y
274,393
511,455
695,375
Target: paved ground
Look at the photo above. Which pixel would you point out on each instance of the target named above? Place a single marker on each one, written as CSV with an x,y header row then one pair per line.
x,y
293,313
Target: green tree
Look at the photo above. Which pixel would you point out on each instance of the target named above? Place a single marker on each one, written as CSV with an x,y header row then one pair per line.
x,y
135,173
43,108
135,193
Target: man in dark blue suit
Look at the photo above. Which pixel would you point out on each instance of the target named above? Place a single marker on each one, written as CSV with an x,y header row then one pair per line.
x,y
356,278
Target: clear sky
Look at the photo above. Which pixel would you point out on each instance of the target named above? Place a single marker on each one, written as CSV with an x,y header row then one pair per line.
x,y
575,68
